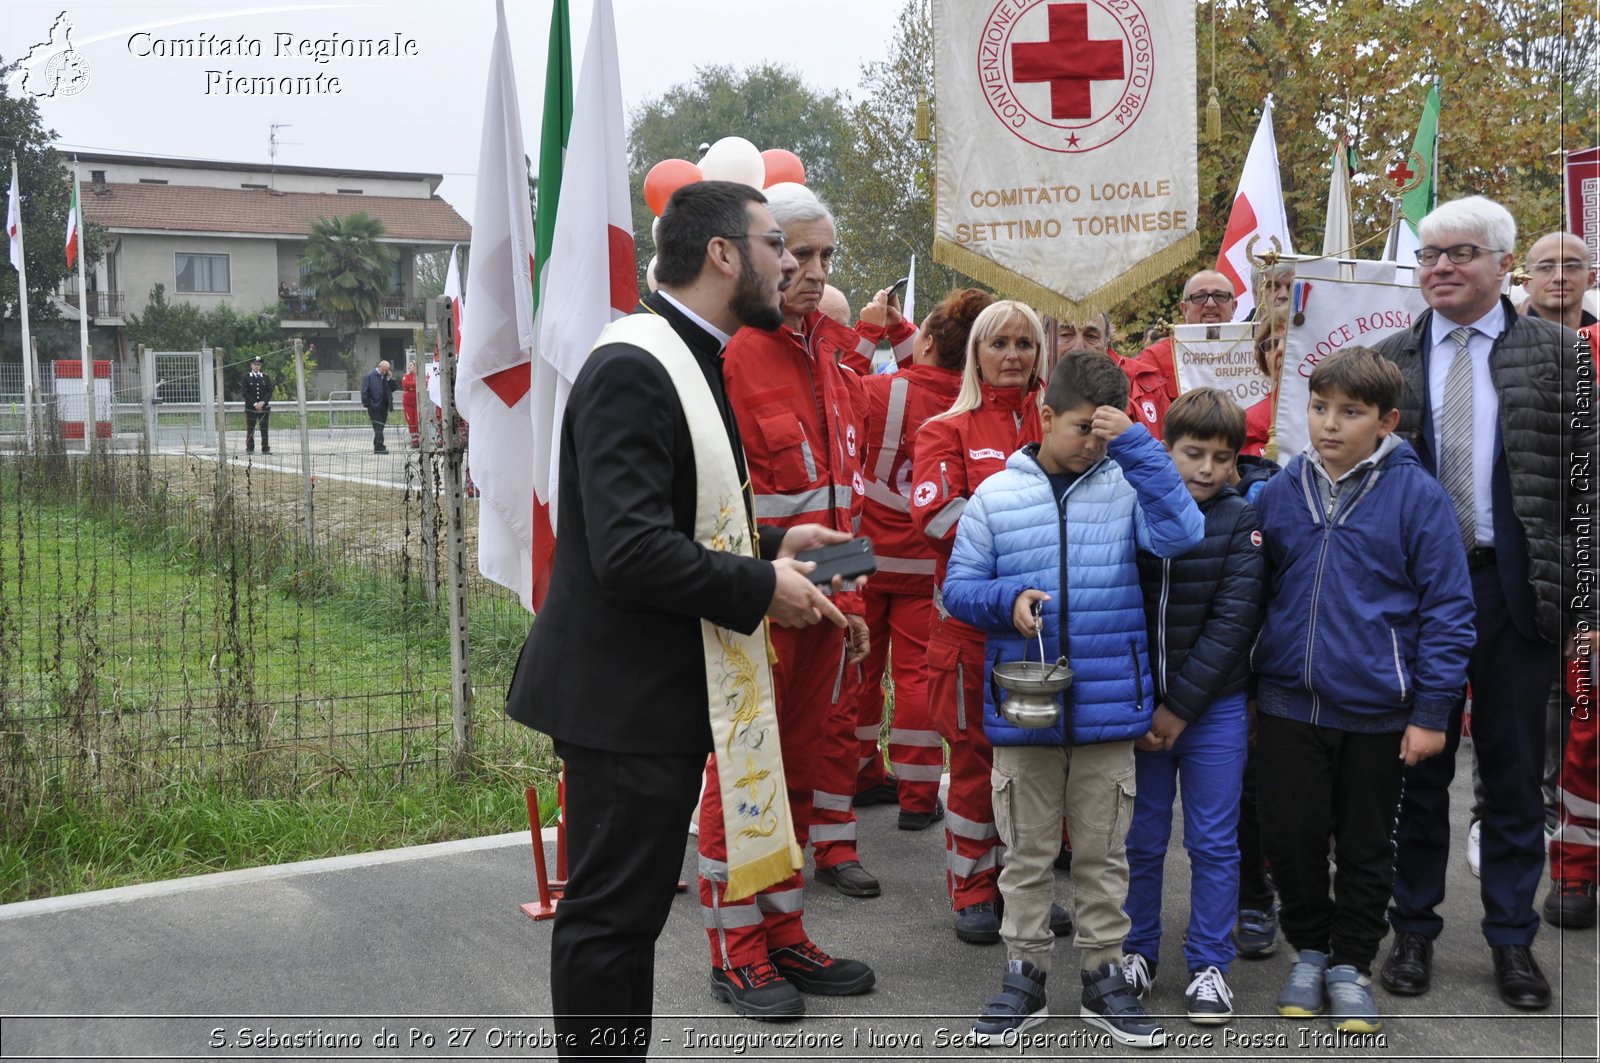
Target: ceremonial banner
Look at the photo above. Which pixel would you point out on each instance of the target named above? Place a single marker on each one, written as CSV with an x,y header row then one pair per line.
x,y
1222,357
1329,314
1582,185
1065,146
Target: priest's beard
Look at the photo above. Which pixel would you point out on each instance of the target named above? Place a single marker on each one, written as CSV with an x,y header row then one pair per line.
x,y
750,305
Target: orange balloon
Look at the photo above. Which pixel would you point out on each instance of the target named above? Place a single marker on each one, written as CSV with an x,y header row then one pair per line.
x,y
665,178
783,165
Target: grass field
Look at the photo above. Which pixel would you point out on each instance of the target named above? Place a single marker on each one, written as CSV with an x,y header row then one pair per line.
x,y
183,691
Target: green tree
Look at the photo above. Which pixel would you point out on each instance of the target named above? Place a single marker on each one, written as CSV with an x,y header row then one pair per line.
x,y
885,210
45,185
166,326
350,271
767,105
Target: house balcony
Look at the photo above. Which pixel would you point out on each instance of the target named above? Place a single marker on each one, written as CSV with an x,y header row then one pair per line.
x,y
102,305
300,311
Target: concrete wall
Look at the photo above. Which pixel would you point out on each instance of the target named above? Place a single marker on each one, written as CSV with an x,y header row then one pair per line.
x,y
150,260
131,173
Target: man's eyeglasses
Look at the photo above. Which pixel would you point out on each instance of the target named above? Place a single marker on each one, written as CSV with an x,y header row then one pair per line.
x,y
1566,265
1460,254
1200,298
773,238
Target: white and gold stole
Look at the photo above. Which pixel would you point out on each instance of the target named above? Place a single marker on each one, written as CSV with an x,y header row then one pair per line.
x,y
744,720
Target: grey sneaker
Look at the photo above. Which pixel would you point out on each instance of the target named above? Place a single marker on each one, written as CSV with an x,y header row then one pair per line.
x,y
1139,973
1350,1003
1208,999
1301,997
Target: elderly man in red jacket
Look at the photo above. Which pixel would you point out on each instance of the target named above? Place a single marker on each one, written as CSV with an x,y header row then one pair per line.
x,y
1153,374
796,419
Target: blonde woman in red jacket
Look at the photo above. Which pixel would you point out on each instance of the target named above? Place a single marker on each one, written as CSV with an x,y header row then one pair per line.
x,y
995,413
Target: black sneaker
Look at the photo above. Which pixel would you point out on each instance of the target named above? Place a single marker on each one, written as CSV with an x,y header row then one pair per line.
x,y
1570,904
810,970
1109,1004
1060,920
978,924
266,450
922,820
1064,858
1020,1004
757,991
885,793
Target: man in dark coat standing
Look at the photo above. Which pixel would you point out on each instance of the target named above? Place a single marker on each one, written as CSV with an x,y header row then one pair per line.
x,y
377,395
256,387
1496,405
613,669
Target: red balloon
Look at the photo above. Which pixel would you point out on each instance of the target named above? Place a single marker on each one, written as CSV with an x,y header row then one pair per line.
x,y
783,165
665,178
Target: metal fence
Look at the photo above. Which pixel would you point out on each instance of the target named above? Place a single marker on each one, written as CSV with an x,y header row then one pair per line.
x,y
176,608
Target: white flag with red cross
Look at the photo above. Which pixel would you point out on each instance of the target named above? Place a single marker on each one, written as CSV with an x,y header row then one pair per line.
x,y
1257,223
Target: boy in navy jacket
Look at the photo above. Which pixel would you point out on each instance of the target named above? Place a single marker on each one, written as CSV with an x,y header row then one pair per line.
x,y
1362,656
1059,528
1203,608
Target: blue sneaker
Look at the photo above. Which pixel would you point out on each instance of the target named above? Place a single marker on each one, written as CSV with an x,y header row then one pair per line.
x,y
1255,934
978,924
1109,1004
1019,1005
1301,996
1350,1003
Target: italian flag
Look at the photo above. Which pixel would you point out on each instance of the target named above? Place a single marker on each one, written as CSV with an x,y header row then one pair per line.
x,y
519,361
72,226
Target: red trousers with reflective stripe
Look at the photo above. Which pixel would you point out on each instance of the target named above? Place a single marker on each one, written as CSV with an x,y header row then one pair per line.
x,y
915,747
1575,846
973,853
743,932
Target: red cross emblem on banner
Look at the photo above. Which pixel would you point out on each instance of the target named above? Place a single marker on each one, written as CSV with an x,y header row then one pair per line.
x,y
1068,60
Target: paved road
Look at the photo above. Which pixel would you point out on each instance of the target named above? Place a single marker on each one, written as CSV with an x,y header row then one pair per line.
x,y
430,941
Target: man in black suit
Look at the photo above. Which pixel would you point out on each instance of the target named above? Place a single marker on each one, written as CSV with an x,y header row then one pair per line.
x,y
614,669
1493,403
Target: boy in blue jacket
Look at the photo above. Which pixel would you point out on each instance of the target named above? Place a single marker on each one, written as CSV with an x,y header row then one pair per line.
x,y
1059,528
1362,655
1204,609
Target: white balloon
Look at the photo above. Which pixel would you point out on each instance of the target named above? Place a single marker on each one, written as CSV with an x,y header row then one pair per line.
x,y
655,231
650,271
734,159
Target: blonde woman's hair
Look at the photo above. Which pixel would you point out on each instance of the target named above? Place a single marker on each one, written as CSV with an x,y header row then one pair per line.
x,y
995,317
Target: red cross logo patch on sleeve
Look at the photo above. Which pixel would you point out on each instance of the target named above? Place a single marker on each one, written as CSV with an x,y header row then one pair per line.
x,y
1067,77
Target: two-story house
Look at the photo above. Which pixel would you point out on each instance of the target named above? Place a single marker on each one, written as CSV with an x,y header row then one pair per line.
x,y
213,232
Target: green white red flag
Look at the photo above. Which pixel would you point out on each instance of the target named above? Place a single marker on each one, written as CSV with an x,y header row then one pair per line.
x,y
72,226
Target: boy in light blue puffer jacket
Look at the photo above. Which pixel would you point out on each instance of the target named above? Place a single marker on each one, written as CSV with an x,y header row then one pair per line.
x,y
1059,528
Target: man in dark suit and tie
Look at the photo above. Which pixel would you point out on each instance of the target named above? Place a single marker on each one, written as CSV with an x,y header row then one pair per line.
x,y
1492,404
614,669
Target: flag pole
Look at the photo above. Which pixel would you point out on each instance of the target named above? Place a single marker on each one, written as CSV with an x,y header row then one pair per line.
x,y
83,322
29,384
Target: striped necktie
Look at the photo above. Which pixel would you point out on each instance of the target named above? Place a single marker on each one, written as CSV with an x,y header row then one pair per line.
x,y
1455,438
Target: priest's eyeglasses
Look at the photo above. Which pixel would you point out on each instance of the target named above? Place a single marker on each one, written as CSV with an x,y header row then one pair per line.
x,y
773,238
1460,254
1567,265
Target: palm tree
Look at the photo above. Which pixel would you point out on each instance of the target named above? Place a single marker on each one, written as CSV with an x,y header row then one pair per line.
x,y
350,272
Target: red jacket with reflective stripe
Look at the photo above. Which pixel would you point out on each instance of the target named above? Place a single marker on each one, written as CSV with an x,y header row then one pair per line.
x,y
1153,380
796,419
953,456
869,336
897,405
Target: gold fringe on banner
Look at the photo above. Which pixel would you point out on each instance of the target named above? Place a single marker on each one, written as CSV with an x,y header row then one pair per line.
x,y
1013,285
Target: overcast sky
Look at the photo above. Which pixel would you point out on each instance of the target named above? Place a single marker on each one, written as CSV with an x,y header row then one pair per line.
x,y
420,112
